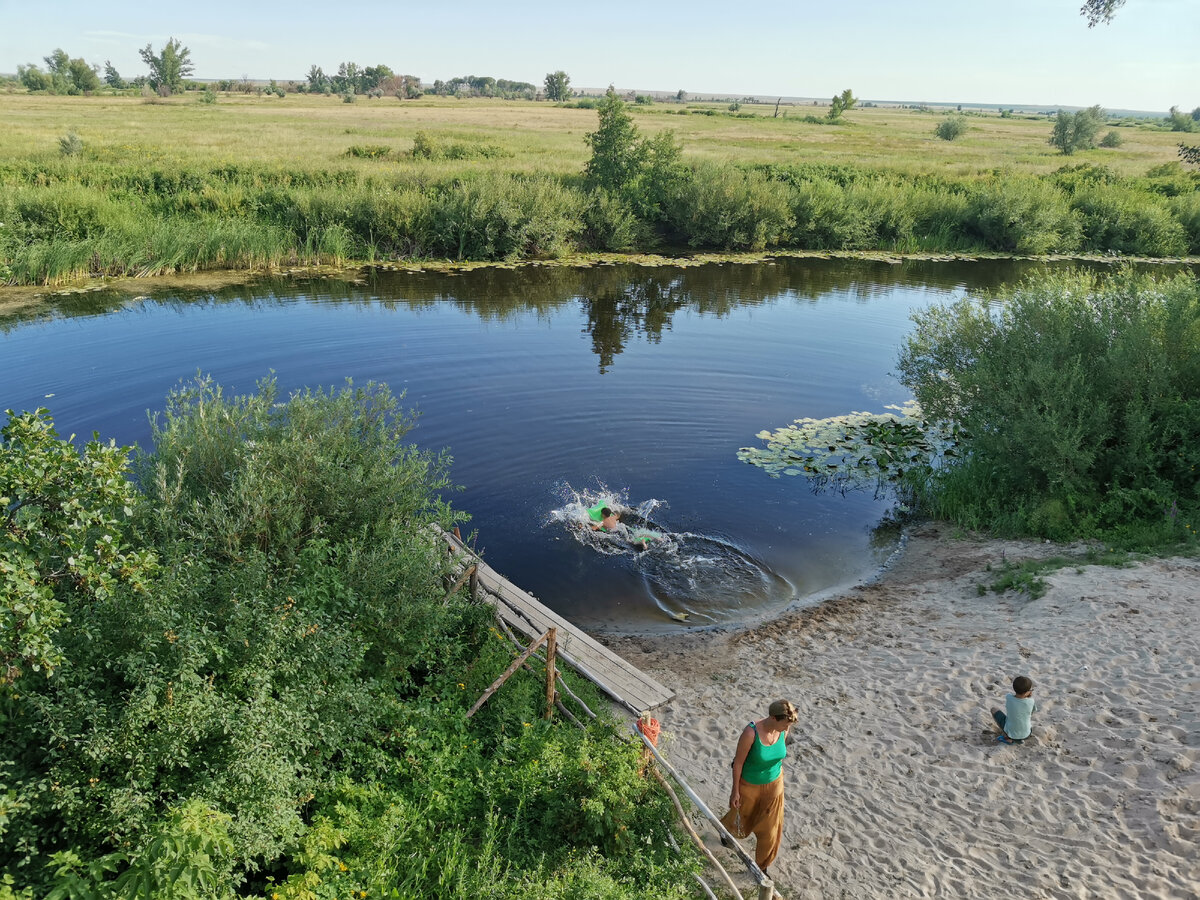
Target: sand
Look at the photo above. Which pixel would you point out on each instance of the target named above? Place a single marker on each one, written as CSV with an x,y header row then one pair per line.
x,y
895,785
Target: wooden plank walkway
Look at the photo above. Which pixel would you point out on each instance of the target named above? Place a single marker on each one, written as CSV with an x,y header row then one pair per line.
x,y
634,690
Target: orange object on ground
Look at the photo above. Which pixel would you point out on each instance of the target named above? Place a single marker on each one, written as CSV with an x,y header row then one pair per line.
x,y
650,728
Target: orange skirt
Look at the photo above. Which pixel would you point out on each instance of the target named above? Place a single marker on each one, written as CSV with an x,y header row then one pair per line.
x,y
760,814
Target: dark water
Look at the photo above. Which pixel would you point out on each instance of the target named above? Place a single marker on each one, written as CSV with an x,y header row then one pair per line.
x,y
554,388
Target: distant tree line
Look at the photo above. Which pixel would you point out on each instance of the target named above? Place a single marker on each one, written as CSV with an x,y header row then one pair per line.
x,y
351,78
485,86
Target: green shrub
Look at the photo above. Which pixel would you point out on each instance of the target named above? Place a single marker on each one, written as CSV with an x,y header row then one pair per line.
x,y
70,144
368,151
723,207
610,224
276,705
1186,209
825,219
1120,220
951,128
1021,215
1077,394
501,217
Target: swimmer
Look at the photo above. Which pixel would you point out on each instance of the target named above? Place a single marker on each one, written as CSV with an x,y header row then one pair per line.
x,y
609,521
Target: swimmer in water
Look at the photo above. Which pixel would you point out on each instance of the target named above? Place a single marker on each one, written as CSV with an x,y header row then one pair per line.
x,y
609,521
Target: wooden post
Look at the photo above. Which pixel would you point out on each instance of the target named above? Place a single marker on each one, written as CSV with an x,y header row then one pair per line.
x,y
462,579
475,583
516,664
766,890
551,649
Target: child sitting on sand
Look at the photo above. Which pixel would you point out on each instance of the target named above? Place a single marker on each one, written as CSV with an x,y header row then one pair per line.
x,y
1019,707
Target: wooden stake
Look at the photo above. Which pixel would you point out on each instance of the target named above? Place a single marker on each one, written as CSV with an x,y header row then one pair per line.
x,y
516,664
551,648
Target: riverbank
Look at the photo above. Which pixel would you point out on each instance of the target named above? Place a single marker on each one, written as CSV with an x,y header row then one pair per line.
x,y
896,786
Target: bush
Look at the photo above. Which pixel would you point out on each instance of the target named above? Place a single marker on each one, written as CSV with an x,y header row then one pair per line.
x,y
368,151
725,208
271,699
1075,394
1112,139
1120,220
70,144
1186,209
501,217
1021,215
951,128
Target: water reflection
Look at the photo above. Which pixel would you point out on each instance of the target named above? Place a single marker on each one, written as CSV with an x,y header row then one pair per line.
x,y
646,379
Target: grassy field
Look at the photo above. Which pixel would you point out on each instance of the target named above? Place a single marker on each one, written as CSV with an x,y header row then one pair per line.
x,y
125,185
305,132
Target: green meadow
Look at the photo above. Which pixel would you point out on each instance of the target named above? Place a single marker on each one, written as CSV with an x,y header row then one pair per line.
x,y
126,185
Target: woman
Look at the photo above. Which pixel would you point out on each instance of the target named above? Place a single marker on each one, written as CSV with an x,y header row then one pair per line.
x,y
756,801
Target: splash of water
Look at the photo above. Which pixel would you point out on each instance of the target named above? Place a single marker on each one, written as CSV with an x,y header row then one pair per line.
x,y
699,579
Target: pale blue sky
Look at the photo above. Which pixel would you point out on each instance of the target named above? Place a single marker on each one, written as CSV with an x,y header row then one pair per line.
x,y
1012,52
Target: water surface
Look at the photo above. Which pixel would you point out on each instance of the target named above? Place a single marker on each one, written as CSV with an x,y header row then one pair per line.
x,y
553,388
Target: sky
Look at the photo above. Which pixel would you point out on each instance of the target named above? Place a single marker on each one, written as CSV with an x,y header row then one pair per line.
x,y
1010,53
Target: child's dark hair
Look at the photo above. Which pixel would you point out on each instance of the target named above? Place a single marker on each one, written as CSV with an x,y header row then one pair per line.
x,y
1022,684
606,512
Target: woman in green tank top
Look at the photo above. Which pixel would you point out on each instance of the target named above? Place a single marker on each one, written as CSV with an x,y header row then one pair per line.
x,y
756,801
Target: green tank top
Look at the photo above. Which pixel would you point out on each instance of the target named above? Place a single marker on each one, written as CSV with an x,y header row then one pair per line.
x,y
764,764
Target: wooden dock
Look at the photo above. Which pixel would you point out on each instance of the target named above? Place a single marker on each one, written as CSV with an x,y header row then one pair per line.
x,y
521,611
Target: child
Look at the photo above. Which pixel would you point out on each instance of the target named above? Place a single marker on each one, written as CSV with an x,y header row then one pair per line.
x,y
1019,708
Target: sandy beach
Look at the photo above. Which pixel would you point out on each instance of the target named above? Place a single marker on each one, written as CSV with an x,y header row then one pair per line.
x,y
895,784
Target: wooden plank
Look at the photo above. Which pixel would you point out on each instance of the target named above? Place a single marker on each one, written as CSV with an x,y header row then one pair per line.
x,y
632,688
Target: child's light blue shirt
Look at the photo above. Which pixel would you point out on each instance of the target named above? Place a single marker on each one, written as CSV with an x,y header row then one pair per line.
x,y
1018,712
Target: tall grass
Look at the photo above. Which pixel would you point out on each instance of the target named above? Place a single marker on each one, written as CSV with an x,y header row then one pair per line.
x,y
95,213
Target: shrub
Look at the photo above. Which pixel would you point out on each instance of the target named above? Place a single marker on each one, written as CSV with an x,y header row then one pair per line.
x,y
1112,139
1186,209
274,702
501,217
1074,393
951,127
722,207
1125,221
70,144
1021,215
368,151
826,220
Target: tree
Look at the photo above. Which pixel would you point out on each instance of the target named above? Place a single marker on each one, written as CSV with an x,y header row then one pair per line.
x,y
558,86
33,78
1180,121
1076,131
617,153
58,64
681,96
169,68
1098,11
112,77
1190,155
840,104
83,76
